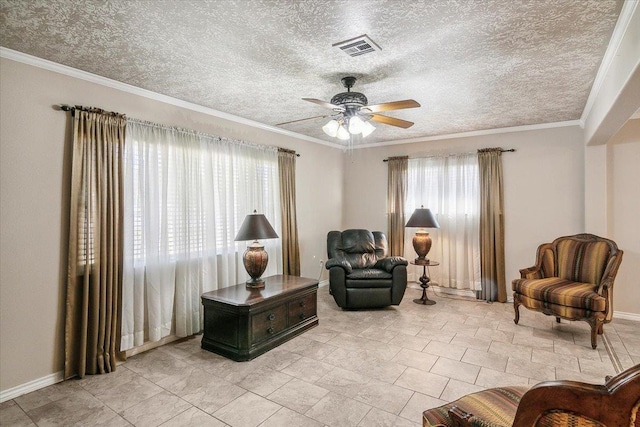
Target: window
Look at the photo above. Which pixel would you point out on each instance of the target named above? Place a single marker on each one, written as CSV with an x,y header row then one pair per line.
x,y
186,195
449,187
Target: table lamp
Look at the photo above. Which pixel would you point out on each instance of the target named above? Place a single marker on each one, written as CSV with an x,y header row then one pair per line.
x,y
255,258
422,218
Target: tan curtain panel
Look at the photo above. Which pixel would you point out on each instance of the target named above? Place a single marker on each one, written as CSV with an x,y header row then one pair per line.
x,y
95,243
396,197
290,247
492,261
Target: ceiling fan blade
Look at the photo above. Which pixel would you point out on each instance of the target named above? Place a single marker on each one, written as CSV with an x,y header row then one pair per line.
x,y
324,104
391,121
302,120
396,105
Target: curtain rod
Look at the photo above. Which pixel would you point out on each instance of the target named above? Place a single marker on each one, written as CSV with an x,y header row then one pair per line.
x,y
72,109
65,107
286,150
510,150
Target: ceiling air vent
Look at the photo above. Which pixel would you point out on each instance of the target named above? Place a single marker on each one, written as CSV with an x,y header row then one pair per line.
x,y
358,46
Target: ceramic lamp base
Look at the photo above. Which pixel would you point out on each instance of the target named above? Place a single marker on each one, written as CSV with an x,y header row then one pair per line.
x,y
255,284
422,245
255,261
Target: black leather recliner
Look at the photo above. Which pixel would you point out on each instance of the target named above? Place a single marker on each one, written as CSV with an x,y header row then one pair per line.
x,y
361,275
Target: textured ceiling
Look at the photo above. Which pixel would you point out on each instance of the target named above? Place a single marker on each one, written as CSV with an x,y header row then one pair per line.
x,y
472,64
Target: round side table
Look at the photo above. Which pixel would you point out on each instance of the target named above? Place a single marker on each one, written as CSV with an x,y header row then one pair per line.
x,y
424,281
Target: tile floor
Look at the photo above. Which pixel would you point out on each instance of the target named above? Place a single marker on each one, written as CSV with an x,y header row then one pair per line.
x,y
357,368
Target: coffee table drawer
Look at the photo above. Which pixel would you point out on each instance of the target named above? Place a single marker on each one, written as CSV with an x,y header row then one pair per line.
x,y
267,323
302,308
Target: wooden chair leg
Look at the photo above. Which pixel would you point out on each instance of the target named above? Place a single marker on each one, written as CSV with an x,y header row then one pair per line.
x,y
597,328
557,319
516,305
594,337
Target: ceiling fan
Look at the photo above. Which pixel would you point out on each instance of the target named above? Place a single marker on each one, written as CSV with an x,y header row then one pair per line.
x,y
351,114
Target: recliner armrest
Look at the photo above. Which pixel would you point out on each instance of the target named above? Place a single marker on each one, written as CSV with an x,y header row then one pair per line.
x,y
335,262
389,263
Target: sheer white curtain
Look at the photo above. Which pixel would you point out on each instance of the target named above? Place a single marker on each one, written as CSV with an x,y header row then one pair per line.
x,y
449,187
186,195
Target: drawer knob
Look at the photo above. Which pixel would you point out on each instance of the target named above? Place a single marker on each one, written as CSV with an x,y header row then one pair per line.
x,y
271,316
302,304
302,316
270,330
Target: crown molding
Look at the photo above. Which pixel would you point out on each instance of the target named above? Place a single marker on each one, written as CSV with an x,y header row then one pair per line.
x,y
124,87
134,90
626,13
569,123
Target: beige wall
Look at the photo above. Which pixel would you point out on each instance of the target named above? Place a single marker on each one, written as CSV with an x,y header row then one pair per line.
x,y
543,186
34,176
623,213
596,189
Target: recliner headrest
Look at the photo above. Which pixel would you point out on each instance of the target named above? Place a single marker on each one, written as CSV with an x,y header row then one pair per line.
x,y
358,241
341,244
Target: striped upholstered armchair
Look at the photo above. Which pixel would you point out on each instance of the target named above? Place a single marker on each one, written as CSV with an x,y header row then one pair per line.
x,y
572,279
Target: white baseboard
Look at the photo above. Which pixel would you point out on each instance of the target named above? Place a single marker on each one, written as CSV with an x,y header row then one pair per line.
x,y
323,283
449,291
150,345
452,291
626,316
33,385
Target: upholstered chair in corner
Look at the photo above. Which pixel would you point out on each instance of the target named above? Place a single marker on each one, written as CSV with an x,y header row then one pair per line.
x,y
573,280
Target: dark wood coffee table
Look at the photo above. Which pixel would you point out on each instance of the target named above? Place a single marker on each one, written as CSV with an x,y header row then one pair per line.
x,y
241,323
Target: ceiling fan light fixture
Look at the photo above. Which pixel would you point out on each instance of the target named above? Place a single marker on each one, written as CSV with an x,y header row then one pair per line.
x,y
355,125
342,133
367,128
352,113
331,128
